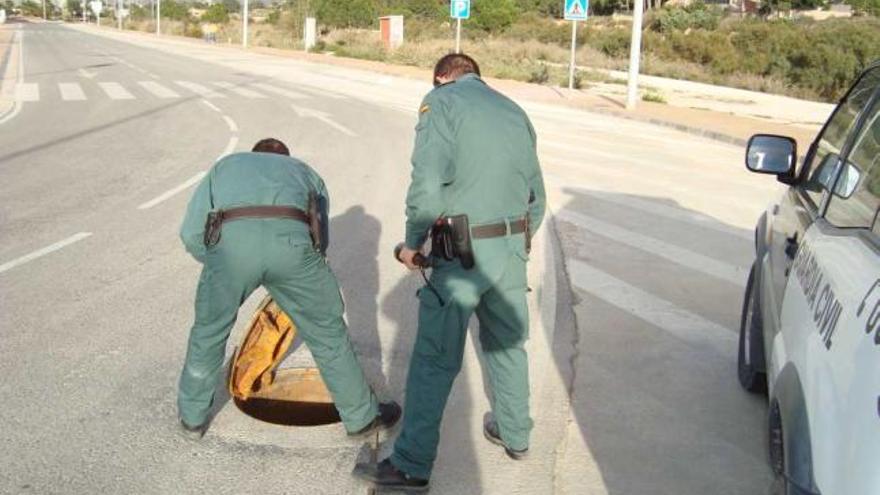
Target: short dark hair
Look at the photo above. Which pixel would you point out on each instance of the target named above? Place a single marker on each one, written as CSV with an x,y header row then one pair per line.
x,y
455,65
271,145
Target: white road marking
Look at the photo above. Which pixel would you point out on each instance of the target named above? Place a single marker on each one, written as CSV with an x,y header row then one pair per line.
x,y
211,106
44,251
247,93
6,85
323,117
158,90
725,271
86,74
230,147
71,92
653,208
27,92
170,193
293,95
231,123
680,323
115,91
199,89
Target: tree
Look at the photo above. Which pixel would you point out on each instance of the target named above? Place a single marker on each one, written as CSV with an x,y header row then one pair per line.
x,y
871,7
494,15
347,13
216,14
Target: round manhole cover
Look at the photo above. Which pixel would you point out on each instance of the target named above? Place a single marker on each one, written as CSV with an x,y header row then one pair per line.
x,y
296,397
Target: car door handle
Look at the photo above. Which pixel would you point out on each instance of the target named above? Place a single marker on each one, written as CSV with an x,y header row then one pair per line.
x,y
791,246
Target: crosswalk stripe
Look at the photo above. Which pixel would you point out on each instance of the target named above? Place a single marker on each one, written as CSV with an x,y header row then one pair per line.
x,y
653,208
158,90
247,93
680,323
199,89
725,271
280,91
115,91
27,92
71,92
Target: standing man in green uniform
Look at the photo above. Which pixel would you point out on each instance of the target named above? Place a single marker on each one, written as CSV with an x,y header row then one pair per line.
x,y
260,203
475,154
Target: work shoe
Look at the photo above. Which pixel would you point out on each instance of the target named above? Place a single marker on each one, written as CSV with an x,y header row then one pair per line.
x,y
389,413
490,431
193,432
385,475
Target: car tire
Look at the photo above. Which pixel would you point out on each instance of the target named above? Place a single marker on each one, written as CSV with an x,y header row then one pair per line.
x,y
751,336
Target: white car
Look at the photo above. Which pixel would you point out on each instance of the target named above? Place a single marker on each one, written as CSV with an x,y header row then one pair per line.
x,y
810,335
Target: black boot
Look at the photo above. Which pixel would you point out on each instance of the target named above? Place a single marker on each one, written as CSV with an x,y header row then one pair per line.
x,y
385,475
389,413
193,432
490,431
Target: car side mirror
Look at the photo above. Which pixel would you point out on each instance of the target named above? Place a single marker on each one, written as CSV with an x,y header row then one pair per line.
x,y
770,154
848,181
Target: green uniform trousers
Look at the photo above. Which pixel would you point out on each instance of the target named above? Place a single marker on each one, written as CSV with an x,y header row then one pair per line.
x,y
278,255
495,289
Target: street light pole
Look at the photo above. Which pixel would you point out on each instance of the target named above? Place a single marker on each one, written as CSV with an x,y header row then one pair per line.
x,y
158,17
44,10
635,51
119,14
244,25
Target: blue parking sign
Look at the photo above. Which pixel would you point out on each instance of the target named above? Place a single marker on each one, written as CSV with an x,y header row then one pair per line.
x,y
460,9
576,10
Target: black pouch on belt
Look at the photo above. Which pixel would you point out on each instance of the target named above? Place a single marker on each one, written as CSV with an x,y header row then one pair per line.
x,y
460,230
316,223
213,224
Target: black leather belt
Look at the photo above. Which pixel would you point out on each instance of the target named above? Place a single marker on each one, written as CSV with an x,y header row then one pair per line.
x,y
498,229
264,212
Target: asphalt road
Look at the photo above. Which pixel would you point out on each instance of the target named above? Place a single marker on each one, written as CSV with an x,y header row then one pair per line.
x,y
639,282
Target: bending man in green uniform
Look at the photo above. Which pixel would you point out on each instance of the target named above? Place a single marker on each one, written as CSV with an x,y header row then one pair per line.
x,y
474,155
267,194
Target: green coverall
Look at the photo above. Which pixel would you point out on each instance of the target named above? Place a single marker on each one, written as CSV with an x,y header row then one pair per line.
x,y
277,254
475,154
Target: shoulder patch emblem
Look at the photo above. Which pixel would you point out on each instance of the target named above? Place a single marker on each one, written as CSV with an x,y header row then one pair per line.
x,y
425,109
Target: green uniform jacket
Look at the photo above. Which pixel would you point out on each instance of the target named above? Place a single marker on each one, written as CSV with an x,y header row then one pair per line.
x,y
251,179
475,154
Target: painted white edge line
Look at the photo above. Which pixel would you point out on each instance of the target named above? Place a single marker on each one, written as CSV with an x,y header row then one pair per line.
x,y
211,105
16,106
170,193
230,147
231,123
44,251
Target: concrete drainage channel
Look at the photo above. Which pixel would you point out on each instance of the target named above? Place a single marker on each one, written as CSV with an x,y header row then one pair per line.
x,y
288,396
297,397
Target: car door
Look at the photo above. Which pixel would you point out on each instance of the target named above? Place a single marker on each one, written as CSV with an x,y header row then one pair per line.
x,y
801,203
830,317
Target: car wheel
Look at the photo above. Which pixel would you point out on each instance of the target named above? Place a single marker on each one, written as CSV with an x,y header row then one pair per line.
x,y
751,336
776,451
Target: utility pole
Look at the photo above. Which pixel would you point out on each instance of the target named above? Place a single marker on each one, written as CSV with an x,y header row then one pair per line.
x,y
635,51
158,17
84,10
119,14
244,25
44,10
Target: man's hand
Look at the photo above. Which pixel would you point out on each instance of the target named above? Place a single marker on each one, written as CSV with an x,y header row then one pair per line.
x,y
406,257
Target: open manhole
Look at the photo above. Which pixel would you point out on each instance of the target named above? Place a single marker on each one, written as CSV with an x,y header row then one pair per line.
x,y
290,396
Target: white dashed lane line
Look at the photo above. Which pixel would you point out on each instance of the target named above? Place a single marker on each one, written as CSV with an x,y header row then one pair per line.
x,y
44,251
172,192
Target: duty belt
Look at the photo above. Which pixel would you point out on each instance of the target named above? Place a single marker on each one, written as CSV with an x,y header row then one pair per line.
x,y
264,212
498,229
216,219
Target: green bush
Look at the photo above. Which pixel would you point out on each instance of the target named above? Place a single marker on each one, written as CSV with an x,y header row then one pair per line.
x,y
174,10
540,75
347,13
193,30
493,16
614,43
694,16
217,14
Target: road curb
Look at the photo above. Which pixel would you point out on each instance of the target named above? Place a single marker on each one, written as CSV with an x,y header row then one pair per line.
x,y
7,107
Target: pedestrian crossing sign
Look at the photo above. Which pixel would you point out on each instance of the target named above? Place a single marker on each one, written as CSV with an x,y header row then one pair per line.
x,y
460,9
576,10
